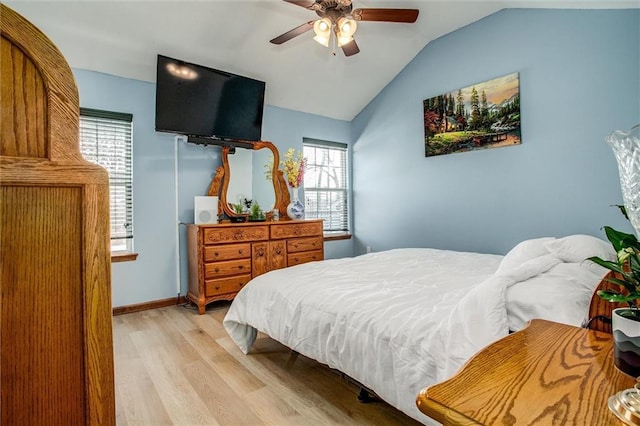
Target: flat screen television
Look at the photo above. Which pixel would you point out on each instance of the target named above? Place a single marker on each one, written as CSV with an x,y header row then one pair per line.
x,y
194,100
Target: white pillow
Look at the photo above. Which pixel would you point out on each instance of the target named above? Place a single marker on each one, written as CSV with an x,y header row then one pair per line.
x,y
577,248
522,252
562,294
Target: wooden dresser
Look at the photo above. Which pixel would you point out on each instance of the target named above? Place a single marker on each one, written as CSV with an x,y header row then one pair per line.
x,y
224,257
56,359
546,374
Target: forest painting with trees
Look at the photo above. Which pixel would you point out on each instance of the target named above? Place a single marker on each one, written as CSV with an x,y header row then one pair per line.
x,y
485,115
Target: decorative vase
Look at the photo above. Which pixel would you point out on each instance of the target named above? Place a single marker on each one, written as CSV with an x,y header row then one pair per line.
x,y
626,342
295,209
626,147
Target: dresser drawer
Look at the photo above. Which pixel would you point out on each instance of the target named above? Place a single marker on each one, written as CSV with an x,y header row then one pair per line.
x,y
226,268
233,234
296,229
227,252
304,244
225,285
304,257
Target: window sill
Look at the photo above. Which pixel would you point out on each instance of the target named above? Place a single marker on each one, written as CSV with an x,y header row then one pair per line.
x,y
123,256
335,237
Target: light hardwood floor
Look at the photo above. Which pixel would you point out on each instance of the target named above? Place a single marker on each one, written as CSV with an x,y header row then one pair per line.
x,y
174,366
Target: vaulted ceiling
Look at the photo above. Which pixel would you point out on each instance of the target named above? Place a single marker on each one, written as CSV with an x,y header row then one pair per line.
x,y
123,38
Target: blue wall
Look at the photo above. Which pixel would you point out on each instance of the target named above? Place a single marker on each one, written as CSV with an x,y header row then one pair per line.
x,y
579,80
286,129
154,275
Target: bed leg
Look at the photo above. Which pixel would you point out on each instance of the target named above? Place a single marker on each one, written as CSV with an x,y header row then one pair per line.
x,y
364,396
293,356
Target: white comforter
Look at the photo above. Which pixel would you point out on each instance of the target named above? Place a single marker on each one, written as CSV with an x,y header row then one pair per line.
x,y
396,321
404,319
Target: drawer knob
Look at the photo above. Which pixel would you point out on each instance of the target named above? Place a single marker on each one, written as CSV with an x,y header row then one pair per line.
x,y
240,267
215,253
240,251
217,287
217,270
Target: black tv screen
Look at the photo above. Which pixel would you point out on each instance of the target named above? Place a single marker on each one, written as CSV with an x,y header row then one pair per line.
x,y
194,100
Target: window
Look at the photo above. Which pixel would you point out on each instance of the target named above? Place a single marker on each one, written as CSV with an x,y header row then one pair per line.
x,y
326,184
105,139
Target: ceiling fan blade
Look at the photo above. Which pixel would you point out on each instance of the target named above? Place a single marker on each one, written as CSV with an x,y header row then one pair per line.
x,y
302,3
350,48
386,15
293,33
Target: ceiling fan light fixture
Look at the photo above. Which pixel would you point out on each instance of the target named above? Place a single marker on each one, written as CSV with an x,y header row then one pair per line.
x,y
347,27
344,39
339,20
322,40
322,28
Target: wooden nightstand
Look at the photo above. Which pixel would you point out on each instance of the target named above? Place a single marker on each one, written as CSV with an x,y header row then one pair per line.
x,y
546,374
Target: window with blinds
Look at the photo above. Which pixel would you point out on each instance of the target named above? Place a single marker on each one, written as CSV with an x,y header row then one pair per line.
x,y
326,187
105,139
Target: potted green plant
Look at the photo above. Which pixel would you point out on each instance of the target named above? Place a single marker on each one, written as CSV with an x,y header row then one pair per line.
x,y
256,214
238,209
626,320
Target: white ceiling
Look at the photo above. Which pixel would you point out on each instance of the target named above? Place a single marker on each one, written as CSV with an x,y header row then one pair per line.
x,y
123,38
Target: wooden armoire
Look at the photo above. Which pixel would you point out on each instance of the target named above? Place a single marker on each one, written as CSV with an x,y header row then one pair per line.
x,y
56,359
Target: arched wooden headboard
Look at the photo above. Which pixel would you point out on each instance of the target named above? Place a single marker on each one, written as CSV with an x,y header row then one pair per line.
x,y
56,366
600,309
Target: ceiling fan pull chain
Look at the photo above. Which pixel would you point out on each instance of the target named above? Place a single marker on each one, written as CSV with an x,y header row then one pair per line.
x,y
333,44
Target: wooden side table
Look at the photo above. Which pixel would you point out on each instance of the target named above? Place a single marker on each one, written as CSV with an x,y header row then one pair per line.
x,y
546,374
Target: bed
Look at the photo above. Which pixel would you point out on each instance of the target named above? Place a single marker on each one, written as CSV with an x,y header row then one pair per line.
x,y
400,320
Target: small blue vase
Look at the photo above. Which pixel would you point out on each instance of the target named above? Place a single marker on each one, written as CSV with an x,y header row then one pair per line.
x,y
295,209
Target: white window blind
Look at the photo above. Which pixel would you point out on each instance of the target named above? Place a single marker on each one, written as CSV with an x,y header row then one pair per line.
x,y
326,188
105,139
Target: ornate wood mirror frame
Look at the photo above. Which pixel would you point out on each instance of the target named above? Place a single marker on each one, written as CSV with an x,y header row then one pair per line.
x,y
220,183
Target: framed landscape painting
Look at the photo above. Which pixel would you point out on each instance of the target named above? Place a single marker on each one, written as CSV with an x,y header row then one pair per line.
x,y
481,116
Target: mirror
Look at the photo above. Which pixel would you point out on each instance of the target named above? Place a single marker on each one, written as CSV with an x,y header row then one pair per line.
x,y
242,175
249,178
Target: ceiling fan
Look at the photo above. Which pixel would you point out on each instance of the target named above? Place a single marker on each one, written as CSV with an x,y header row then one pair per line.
x,y
338,22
